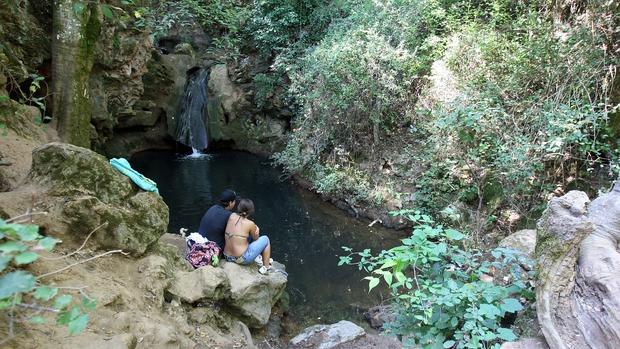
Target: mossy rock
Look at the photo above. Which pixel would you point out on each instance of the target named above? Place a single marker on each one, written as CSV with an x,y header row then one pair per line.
x,y
93,194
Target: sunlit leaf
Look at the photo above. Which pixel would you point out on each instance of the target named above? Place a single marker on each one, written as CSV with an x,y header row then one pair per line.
x,y
45,293
511,305
4,261
89,304
449,344
489,310
105,9
78,324
37,320
62,301
78,8
47,243
12,246
16,282
506,334
26,258
454,235
372,282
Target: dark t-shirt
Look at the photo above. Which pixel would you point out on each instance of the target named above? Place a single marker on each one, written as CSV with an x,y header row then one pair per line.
x,y
213,224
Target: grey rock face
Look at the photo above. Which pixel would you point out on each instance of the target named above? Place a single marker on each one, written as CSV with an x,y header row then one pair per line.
x,y
327,336
245,293
252,295
578,291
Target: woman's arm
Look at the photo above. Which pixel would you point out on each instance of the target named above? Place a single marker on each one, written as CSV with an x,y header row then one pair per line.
x,y
254,231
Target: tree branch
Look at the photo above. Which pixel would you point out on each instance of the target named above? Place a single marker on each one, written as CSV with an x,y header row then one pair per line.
x,y
81,262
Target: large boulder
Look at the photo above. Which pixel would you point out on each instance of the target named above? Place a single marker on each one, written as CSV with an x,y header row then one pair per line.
x,y
578,291
84,192
246,294
327,336
523,241
205,283
252,295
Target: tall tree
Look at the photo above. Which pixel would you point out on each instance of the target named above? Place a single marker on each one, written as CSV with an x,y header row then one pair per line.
x,y
77,26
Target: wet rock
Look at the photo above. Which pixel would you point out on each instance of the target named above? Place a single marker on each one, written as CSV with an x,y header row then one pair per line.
x,y
377,316
252,295
133,118
523,241
327,336
202,284
85,192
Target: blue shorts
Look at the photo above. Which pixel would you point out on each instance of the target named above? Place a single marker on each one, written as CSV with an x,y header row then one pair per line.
x,y
254,249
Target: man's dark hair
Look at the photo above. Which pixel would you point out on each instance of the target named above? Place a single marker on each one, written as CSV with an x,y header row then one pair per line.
x,y
227,196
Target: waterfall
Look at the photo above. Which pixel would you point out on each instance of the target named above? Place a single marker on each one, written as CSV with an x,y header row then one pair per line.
x,y
191,128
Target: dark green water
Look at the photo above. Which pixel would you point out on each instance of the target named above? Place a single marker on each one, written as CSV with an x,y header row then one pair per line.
x,y
306,233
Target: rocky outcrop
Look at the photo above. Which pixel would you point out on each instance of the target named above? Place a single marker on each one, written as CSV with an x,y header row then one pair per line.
x,y
24,36
81,192
578,292
253,295
20,135
248,295
234,118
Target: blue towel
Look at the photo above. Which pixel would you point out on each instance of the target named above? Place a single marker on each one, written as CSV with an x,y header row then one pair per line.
x,y
125,168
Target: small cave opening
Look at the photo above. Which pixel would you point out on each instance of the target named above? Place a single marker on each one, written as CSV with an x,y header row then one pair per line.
x,y
166,45
35,90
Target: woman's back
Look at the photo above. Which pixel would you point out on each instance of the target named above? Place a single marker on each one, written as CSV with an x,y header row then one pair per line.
x,y
238,230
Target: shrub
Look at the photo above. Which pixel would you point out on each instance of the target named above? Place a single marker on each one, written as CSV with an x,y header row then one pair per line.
x,y
23,296
442,294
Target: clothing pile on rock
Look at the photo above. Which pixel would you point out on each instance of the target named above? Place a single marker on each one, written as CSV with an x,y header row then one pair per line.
x,y
201,251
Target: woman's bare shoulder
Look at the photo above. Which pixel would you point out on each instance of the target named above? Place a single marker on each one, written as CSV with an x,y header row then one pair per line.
x,y
248,224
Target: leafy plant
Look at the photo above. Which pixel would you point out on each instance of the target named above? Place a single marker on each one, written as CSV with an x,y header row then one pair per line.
x,y
23,296
447,295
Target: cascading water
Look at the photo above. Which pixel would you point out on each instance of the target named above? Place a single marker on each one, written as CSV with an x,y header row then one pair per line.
x,y
191,128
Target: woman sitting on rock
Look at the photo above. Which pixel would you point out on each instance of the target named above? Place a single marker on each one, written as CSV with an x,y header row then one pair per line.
x,y
240,230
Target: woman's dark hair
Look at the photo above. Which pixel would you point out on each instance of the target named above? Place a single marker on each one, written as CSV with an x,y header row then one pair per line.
x,y
245,207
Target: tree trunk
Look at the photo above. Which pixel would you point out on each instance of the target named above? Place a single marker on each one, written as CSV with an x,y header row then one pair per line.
x,y
76,30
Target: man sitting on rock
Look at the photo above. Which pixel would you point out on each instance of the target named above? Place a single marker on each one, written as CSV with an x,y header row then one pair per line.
x,y
213,223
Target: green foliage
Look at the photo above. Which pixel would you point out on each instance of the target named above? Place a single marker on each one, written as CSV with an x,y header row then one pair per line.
x,y
21,292
441,292
531,112
221,18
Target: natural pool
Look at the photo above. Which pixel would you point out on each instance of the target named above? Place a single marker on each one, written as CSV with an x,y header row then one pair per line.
x,y
306,233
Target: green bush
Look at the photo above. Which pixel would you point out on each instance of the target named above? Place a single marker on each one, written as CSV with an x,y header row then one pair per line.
x,y
23,296
441,292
